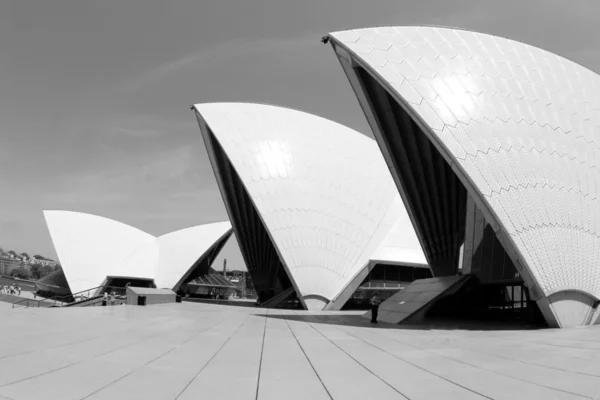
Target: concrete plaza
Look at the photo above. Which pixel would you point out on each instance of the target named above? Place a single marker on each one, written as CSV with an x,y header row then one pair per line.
x,y
191,351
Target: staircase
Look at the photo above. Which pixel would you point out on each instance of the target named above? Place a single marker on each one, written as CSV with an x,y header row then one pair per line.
x,y
412,302
92,301
69,300
278,298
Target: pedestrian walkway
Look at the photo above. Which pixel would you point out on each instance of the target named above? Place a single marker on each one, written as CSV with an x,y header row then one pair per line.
x,y
190,351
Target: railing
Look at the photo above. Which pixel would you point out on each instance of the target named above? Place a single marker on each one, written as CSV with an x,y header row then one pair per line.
x,y
27,303
88,293
60,301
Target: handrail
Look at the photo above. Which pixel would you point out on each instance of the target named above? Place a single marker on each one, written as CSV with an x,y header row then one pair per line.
x,y
72,295
87,291
52,301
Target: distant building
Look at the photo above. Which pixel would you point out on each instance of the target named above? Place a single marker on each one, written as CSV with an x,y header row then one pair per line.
x,y
39,261
8,264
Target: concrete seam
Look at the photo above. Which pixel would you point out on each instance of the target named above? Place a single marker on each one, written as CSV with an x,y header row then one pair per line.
x,y
358,362
262,350
486,369
210,359
308,359
151,361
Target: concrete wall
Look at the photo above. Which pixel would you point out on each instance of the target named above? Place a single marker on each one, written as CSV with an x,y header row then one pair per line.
x,y
572,308
153,296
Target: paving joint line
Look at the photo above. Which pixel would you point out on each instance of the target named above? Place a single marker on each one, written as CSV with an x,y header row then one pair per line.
x,y
81,341
153,360
527,362
80,361
308,359
507,339
416,366
359,363
211,358
262,349
476,351
479,367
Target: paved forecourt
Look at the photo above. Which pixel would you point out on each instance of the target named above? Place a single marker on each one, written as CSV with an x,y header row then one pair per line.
x,y
189,351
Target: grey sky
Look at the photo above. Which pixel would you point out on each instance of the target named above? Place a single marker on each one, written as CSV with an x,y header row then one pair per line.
x,y
95,95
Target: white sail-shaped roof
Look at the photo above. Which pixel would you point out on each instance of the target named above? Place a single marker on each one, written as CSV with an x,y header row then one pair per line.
x,y
322,191
179,250
519,125
90,248
401,246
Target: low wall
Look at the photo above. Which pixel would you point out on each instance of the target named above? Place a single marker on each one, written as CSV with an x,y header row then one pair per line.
x,y
223,302
24,301
153,296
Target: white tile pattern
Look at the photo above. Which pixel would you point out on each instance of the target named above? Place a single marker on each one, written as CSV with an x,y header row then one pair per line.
x,y
522,123
90,248
323,190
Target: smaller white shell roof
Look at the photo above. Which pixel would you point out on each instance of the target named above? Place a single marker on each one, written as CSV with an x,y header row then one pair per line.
x,y
91,247
323,190
181,249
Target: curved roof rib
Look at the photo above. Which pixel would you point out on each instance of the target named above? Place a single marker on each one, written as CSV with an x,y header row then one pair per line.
x,y
314,194
90,248
518,125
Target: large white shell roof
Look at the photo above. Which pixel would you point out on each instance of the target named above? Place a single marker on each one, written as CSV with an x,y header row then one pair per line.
x,y
323,190
522,125
90,248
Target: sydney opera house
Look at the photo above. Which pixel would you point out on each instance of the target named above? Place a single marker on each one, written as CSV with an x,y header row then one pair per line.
x,y
482,173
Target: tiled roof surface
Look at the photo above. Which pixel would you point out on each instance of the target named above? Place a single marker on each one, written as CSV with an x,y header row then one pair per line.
x,y
90,248
521,123
323,190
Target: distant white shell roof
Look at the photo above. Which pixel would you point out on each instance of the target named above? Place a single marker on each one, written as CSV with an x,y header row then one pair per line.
x,y
521,124
401,245
323,191
90,248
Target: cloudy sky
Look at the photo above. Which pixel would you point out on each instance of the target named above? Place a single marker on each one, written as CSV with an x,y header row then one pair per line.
x,y
95,94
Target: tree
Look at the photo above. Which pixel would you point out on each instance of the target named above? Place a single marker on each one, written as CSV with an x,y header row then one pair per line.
x,y
35,271
20,273
45,270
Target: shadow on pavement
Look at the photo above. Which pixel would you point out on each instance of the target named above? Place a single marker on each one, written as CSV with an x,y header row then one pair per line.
x,y
438,324
335,319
